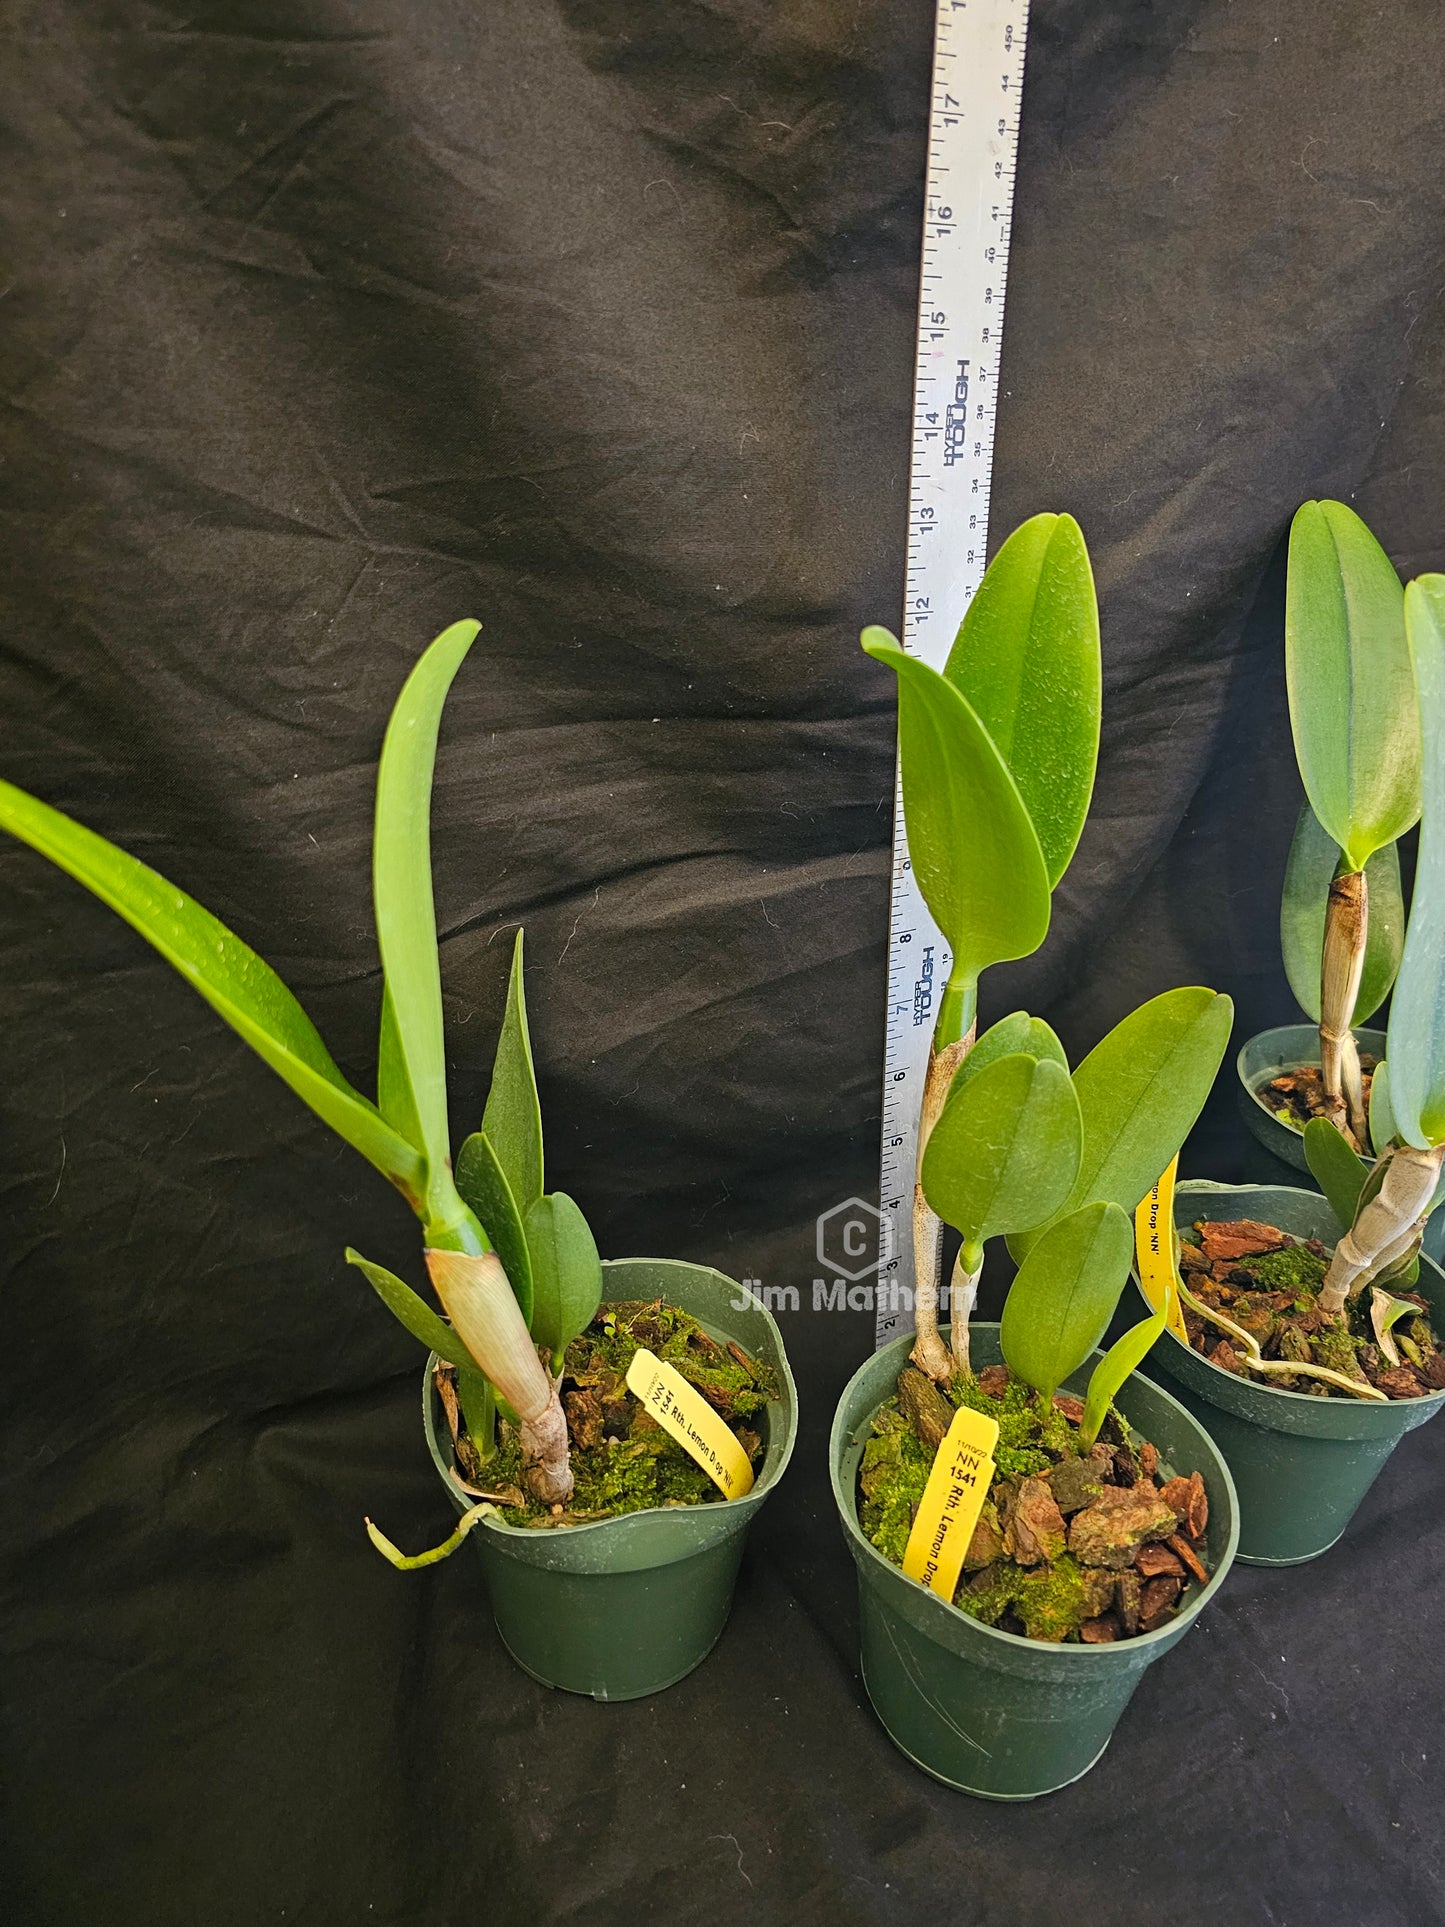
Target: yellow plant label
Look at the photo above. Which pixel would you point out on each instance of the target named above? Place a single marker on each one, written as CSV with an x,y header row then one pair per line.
x,y
1154,1248
681,1409
952,1500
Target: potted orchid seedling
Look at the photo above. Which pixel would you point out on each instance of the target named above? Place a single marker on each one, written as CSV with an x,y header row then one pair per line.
x,y
1342,919
1031,1525
608,1429
1312,1325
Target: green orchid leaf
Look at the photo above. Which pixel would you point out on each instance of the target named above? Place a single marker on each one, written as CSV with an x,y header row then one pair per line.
x,y
234,981
1017,1032
1382,1118
1383,1128
480,1403
1060,1304
489,1196
1335,1168
412,1310
393,1086
1043,1043
1351,696
1002,1039
1124,1356
1140,1090
1404,1272
1385,1313
1417,1010
1027,662
405,912
1313,861
512,1121
971,840
566,1272
1005,1150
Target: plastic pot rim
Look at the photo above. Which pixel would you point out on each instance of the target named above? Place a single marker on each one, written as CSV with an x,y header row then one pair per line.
x,y
782,1414
947,1616
1305,1062
1428,1405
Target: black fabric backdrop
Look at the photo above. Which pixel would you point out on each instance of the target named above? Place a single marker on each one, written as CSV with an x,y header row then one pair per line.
x,y
327,323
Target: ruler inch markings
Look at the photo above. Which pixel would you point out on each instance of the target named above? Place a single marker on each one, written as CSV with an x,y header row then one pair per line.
x,y
976,92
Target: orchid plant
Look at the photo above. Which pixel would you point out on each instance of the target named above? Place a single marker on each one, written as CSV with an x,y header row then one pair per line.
x,y
1386,1207
515,1267
1057,1163
1357,742
997,757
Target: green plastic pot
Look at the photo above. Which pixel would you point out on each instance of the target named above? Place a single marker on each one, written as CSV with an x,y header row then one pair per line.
x,y
624,1607
985,1711
1301,1464
1289,1048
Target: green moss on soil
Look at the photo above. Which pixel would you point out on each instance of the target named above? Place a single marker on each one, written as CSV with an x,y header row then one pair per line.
x,y
892,1476
1296,1269
1027,1443
637,1465
1050,1600
1053,1600
599,1358
1339,1349
1297,1332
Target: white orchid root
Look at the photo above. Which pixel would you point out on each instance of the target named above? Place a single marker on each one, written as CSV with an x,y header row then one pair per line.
x,y
1255,1361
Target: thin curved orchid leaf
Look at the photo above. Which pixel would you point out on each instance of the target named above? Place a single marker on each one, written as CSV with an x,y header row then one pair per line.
x,y
1060,1304
490,1198
1417,1010
1339,1171
412,1311
1386,1311
1124,1356
234,981
1404,1271
1347,669
512,1120
1383,1127
1005,1150
1382,1117
416,1315
1313,861
1027,661
971,840
405,911
393,1086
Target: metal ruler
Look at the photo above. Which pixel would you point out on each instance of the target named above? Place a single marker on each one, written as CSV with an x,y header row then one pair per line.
x,y
973,132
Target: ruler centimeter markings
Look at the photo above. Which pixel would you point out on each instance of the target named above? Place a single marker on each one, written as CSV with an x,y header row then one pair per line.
x,y
973,131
